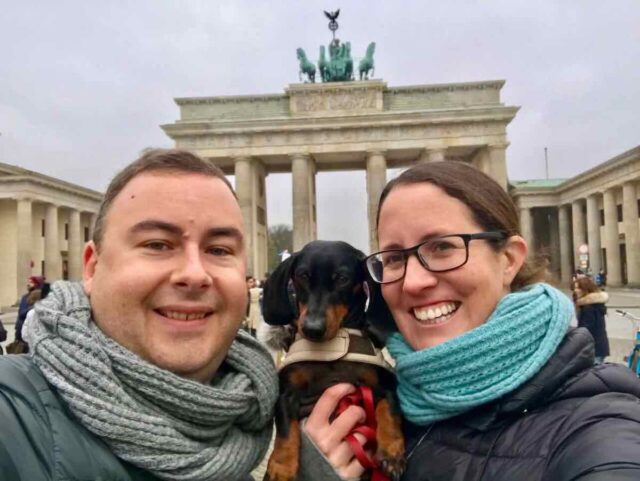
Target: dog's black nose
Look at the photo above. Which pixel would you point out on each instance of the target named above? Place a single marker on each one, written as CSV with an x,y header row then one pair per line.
x,y
313,332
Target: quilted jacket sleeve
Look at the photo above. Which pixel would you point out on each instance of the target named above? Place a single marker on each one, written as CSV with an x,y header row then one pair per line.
x,y
601,441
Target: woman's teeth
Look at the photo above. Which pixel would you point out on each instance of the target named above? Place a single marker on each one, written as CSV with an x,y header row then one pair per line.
x,y
435,314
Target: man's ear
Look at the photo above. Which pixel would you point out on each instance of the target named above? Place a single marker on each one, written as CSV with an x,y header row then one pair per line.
x,y
89,261
515,253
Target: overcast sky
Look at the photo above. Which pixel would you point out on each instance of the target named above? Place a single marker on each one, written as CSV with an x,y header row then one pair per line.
x,y
84,85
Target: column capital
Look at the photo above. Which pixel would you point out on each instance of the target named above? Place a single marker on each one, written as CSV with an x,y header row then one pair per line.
x,y
300,155
373,152
498,145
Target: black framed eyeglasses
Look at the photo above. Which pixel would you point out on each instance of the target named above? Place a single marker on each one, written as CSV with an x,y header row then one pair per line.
x,y
439,254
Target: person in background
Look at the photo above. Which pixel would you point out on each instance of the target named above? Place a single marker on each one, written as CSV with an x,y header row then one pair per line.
x,y
591,312
35,285
3,336
493,383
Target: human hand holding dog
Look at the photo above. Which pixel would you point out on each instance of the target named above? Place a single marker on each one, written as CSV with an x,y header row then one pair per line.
x,y
329,435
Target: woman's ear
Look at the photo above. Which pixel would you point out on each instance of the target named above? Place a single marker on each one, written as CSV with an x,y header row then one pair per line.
x,y
515,253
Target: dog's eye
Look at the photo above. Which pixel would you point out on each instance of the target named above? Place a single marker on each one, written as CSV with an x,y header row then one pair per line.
x,y
302,277
341,279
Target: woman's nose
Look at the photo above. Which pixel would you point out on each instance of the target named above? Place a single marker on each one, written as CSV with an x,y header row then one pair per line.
x,y
417,277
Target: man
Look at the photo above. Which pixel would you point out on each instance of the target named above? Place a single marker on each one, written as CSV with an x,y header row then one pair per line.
x,y
139,373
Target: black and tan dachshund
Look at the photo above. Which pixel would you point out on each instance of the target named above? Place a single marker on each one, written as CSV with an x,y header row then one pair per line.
x,y
320,291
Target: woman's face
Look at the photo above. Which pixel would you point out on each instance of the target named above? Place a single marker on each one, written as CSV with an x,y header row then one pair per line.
x,y
576,289
414,213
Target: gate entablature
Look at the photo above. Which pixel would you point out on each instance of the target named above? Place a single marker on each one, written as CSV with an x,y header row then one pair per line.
x,y
340,126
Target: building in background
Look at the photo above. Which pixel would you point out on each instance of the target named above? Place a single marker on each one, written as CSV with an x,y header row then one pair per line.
x,y
587,221
44,223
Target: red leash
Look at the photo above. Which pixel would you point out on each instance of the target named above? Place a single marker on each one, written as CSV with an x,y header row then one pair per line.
x,y
363,397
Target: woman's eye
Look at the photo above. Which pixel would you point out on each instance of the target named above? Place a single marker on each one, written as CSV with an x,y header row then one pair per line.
x,y
392,259
442,246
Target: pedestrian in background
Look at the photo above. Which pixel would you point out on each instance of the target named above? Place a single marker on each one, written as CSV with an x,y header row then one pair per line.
x,y
591,310
35,285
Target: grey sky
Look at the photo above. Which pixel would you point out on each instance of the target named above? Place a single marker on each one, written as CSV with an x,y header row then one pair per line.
x,y
85,85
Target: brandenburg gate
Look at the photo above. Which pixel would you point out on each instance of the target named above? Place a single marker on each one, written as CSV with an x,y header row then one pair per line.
x,y
352,125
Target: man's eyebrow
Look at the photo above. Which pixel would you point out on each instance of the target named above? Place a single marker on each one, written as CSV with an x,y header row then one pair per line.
x,y
152,224
232,232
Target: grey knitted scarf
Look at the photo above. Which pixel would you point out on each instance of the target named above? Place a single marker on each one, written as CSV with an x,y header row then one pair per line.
x,y
175,428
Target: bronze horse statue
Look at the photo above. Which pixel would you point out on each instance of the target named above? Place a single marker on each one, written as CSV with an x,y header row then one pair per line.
x,y
306,67
366,64
323,65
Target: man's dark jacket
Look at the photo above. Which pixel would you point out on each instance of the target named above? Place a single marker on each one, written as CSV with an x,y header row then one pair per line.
x,y
41,440
570,422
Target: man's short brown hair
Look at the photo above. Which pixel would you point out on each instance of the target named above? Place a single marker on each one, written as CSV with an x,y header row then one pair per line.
x,y
153,160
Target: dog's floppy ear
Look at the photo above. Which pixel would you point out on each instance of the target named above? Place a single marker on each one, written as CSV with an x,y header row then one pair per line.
x,y
277,308
380,323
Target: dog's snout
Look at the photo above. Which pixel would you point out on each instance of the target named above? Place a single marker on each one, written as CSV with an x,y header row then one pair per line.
x,y
313,331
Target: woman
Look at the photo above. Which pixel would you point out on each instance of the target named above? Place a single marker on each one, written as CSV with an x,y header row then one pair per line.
x,y
35,285
492,383
590,305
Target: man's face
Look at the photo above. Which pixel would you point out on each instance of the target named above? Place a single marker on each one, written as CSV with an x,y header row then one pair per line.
x,y
168,281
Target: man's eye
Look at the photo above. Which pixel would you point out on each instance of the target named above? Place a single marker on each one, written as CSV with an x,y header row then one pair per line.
x,y
219,251
157,245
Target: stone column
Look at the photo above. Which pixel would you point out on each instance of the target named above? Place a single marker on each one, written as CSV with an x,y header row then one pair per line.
x,y
578,223
554,242
481,160
260,251
243,177
526,227
431,155
25,242
376,180
302,173
92,224
566,259
614,271
498,164
631,233
593,233
52,258
75,246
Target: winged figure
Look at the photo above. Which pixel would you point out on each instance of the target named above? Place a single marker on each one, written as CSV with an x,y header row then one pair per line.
x,y
332,15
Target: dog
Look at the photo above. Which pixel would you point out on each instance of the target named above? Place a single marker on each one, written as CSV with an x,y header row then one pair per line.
x,y
319,295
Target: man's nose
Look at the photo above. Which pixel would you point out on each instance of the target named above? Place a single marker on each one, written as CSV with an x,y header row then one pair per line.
x,y
417,277
191,271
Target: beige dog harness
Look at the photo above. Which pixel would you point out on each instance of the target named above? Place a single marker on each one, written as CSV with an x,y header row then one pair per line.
x,y
348,345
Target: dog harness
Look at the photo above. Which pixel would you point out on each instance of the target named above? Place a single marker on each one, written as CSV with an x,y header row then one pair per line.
x,y
347,345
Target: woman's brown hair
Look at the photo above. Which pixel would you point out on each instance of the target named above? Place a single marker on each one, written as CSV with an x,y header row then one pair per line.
x,y
586,285
491,206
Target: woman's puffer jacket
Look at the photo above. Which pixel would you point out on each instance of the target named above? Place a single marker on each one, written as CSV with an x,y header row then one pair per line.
x,y
571,422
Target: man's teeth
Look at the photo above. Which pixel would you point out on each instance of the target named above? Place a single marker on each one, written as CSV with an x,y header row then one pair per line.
x,y
183,316
434,315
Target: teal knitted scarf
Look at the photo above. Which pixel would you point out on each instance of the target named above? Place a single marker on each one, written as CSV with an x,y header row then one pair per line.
x,y
485,363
